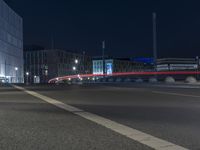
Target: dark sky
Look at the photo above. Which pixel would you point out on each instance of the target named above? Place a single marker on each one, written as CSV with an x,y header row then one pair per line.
x,y
126,25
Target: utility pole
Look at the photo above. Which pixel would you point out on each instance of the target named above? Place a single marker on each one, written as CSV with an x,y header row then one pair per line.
x,y
197,61
103,56
154,17
84,64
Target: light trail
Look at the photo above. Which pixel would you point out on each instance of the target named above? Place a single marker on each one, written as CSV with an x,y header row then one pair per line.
x,y
146,73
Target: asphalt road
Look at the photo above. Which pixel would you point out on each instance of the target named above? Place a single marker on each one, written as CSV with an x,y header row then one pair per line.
x,y
171,113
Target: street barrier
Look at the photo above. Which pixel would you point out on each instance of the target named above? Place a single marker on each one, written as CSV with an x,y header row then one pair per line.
x,y
169,79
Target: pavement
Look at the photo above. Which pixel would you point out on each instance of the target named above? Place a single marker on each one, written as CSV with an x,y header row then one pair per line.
x,y
163,111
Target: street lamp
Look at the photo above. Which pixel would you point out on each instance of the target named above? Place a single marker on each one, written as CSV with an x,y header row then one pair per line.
x,y
16,69
27,74
76,61
197,60
35,77
74,68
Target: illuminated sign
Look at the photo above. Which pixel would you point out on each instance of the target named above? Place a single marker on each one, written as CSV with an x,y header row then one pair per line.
x,y
109,68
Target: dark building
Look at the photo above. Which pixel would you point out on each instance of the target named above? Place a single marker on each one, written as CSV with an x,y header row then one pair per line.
x,y
44,64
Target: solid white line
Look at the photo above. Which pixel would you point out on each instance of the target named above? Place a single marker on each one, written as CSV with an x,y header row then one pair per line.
x,y
176,94
178,86
136,135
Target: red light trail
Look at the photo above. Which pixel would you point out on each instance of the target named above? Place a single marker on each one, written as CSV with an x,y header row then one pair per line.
x,y
123,74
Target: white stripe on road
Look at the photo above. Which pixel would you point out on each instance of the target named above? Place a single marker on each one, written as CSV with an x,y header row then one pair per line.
x,y
176,94
136,135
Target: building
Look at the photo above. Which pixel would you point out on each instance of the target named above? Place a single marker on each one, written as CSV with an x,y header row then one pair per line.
x,y
116,65
11,45
145,60
177,64
41,65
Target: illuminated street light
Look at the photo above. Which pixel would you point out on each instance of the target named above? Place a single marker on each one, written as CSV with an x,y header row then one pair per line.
x,y
35,79
76,61
27,74
74,68
69,79
16,69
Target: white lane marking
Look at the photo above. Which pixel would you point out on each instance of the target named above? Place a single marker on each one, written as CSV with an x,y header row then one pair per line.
x,y
176,94
178,86
136,135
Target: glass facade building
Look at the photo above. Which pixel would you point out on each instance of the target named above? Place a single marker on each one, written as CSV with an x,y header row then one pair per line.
x,y
116,65
11,45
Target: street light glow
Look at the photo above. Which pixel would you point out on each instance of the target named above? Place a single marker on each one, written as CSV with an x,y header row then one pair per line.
x,y
16,68
74,68
27,73
76,61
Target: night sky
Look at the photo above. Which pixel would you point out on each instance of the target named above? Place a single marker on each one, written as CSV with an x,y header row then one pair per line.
x,y
81,25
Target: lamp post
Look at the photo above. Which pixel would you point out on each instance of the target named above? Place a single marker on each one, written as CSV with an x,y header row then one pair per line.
x,y
154,40
74,68
76,61
16,69
84,64
27,74
76,65
103,57
197,61
35,77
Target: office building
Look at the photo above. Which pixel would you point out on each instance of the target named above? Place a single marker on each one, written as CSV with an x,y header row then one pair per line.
x,y
177,64
116,65
41,65
11,45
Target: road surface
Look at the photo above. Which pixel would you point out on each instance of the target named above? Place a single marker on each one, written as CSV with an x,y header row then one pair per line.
x,y
168,113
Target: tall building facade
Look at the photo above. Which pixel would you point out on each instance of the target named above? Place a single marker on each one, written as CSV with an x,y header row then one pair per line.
x,y
11,45
45,64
